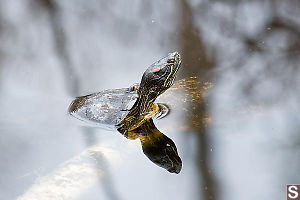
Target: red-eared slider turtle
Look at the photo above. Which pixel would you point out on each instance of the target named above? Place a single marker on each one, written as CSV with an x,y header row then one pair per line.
x,y
128,108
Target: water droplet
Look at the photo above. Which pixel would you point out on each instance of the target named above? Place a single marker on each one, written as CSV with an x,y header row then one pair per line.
x,y
152,21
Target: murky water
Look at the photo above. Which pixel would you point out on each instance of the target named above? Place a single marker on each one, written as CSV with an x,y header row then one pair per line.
x,y
234,109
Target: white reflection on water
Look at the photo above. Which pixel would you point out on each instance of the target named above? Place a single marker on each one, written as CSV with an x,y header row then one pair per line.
x,y
71,178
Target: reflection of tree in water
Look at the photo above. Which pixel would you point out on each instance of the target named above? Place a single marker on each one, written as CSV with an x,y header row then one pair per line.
x,y
61,45
72,82
279,64
197,62
101,164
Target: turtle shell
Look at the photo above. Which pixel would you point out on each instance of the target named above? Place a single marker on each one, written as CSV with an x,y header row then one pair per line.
x,y
107,107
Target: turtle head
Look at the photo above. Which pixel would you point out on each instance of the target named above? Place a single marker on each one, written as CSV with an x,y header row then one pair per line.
x,y
160,149
163,152
160,76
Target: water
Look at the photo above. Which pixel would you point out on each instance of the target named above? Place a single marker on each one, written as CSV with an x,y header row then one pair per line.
x,y
235,123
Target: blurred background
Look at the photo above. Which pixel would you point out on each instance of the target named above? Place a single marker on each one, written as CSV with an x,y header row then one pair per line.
x,y
234,110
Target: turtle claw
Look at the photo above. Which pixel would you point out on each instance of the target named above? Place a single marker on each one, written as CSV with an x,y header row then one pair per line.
x,y
153,113
164,110
134,87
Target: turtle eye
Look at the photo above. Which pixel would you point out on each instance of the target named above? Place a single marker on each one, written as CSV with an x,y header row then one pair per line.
x,y
171,60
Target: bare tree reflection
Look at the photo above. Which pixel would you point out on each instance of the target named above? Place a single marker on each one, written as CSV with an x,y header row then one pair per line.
x,y
289,55
60,42
196,61
105,180
278,64
2,26
72,81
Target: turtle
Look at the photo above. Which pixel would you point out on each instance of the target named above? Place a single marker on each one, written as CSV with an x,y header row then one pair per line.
x,y
128,108
130,111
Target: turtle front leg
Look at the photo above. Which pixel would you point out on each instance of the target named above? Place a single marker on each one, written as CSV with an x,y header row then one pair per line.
x,y
126,123
146,117
153,113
